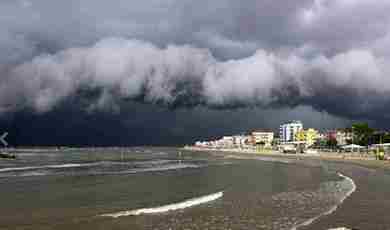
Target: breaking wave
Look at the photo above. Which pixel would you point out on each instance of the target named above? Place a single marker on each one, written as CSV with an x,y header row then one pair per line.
x,y
341,228
99,168
161,168
47,167
167,208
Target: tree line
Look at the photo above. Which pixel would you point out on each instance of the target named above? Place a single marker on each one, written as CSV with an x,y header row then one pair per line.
x,y
362,134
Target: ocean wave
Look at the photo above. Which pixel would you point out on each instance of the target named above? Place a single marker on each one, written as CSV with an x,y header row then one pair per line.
x,y
154,162
160,153
34,173
105,169
48,167
167,208
340,228
154,169
79,165
332,209
262,158
163,168
273,159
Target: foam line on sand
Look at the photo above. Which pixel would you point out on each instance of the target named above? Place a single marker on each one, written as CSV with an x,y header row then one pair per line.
x,y
169,207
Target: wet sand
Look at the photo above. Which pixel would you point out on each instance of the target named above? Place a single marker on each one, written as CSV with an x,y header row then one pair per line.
x,y
366,209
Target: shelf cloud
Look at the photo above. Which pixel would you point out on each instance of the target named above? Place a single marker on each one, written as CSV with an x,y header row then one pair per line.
x,y
182,75
332,56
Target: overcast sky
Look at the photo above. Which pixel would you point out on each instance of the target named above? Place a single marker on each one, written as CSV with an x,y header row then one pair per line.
x,y
170,71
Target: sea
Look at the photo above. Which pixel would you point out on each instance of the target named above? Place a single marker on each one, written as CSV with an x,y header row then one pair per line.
x,y
163,188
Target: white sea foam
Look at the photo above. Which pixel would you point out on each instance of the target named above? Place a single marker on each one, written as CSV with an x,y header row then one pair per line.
x,y
152,169
160,153
334,208
26,174
163,168
76,165
154,162
47,167
341,228
167,208
147,166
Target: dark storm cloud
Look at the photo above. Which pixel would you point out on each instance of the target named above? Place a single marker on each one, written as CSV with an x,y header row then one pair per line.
x,y
332,55
220,24
121,69
142,124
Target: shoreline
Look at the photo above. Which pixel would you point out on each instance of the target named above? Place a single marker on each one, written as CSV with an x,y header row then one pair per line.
x,y
365,208
361,210
351,158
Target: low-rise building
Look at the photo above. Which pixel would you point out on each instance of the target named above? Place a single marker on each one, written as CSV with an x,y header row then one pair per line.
x,y
344,137
241,141
341,136
262,137
227,142
312,135
309,136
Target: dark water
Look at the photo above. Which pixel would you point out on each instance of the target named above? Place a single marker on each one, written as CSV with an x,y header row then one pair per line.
x,y
73,188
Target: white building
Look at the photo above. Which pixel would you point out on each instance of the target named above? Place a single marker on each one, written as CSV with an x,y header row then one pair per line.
x,y
200,144
288,130
240,141
227,142
344,137
262,137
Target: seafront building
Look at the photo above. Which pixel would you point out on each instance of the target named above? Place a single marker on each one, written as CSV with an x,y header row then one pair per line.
x,y
309,137
312,136
240,141
292,138
262,137
227,141
344,137
237,141
288,131
341,136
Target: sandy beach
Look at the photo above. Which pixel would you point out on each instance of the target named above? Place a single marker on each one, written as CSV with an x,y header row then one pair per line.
x,y
362,159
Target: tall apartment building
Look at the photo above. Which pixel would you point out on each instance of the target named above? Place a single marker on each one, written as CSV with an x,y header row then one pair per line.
x,y
287,131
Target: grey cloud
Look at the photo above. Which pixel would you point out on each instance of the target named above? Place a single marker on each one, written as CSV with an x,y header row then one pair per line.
x,y
224,47
123,69
73,23
340,25
145,124
128,68
331,25
248,53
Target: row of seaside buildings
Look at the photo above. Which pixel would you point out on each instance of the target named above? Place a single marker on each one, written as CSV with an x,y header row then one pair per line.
x,y
289,133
